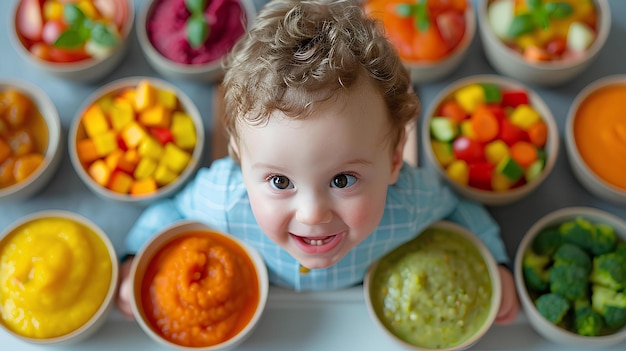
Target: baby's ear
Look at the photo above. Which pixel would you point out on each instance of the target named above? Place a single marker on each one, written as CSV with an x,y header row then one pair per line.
x,y
397,159
233,149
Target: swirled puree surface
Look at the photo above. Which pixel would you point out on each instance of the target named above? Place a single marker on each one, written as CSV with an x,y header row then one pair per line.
x,y
201,289
54,275
433,291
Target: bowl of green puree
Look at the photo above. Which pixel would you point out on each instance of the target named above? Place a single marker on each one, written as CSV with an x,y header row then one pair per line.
x,y
439,291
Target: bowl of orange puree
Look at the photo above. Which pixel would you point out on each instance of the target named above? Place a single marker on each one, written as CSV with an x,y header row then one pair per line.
x,y
596,138
197,288
58,277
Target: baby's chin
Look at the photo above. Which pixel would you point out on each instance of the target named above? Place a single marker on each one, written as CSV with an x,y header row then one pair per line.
x,y
318,262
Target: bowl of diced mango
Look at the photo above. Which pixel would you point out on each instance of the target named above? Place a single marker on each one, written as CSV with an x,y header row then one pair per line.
x,y
136,140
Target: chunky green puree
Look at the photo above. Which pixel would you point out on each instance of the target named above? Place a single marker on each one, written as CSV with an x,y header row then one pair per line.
x,y
434,291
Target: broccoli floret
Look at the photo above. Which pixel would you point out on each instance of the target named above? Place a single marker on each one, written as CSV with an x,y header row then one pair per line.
x,y
620,250
609,270
570,281
535,273
570,254
578,232
552,306
604,240
547,241
610,304
586,321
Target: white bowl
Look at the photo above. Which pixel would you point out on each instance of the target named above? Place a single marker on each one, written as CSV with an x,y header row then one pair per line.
x,y
491,268
88,70
209,72
100,316
54,150
153,250
541,325
552,73
593,182
77,132
485,196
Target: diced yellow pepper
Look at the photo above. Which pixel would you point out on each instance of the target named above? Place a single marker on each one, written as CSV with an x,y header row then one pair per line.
x,y
133,134
163,175
52,11
95,121
121,114
500,182
99,172
105,143
120,182
150,147
130,96
143,186
183,130
496,151
175,158
145,168
458,171
443,152
145,95
88,9
467,129
167,98
156,116
469,97
524,116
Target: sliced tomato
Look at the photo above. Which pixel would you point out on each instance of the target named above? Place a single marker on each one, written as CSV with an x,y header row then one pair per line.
x,y
63,55
29,20
451,25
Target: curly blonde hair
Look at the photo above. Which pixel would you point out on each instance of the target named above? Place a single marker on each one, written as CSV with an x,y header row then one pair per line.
x,y
299,53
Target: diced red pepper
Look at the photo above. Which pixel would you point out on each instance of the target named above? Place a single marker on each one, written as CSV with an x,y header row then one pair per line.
x,y
497,111
468,150
480,174
510,133
163,135
514,98
121,144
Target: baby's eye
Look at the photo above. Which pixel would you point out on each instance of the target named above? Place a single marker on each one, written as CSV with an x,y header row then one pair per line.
x,y
281,182
343,181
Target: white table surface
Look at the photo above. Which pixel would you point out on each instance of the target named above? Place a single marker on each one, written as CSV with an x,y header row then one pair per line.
x,y
302,321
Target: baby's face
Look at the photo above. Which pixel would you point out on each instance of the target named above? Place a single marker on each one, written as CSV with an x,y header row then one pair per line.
x,y
317,186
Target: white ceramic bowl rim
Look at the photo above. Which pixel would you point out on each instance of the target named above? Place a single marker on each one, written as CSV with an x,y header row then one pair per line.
x,y
181,228
188,106
71,66
553,218
603,29
496,294
552,145
49,113
618,79
106,303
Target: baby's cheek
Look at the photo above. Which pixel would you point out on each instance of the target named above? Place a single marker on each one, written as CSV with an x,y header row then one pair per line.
x,y
269,219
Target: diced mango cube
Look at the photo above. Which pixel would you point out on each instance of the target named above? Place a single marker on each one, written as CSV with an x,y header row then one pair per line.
x,y
120,182
6,173
175,158
86,150
150,147
128,162
99,172
26,165
112,160
132,134
143,186
105,143
145,95
167,98
183,130
163,175
5,150
156,116
524,116
94,121
129,95
145,168
122,113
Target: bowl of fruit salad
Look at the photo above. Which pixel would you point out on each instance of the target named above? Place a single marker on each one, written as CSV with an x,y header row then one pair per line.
x,y
432,36
136,140
30,139
491,138
569,274
76,40
543,42
186,39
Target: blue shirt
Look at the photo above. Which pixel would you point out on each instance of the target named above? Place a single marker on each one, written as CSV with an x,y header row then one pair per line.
x,y
218,198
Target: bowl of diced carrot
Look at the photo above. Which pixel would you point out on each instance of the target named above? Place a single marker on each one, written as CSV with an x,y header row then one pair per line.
x,y
431,37
194,287
136,140
493,139
30,139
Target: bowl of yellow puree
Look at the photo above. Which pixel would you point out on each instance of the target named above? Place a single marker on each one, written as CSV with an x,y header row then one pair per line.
x,y
58,274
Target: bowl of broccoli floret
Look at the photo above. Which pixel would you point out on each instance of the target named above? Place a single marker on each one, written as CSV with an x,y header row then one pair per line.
x,y
570,274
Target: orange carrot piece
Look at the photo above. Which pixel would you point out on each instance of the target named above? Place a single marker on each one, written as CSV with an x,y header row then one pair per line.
x,y
484,124
538,133
524,153
453,110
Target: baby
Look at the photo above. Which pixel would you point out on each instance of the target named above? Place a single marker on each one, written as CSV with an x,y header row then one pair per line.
x,y
317,107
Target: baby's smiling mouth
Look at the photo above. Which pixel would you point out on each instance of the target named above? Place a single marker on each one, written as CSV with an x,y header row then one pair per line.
x,y
318,244
318,241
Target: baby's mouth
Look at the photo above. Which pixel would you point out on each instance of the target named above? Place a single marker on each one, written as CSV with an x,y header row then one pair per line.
x,y
318,245
318,241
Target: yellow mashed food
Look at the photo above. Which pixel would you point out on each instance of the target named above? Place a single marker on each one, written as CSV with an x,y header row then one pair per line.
x,y
54,275
433,291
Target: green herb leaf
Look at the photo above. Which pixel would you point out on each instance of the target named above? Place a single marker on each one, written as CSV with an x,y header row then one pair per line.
x,y
404,10
533,4
196,7
70,39
421,16
559,10
101,35
522,24
541,17
197,31
73,15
